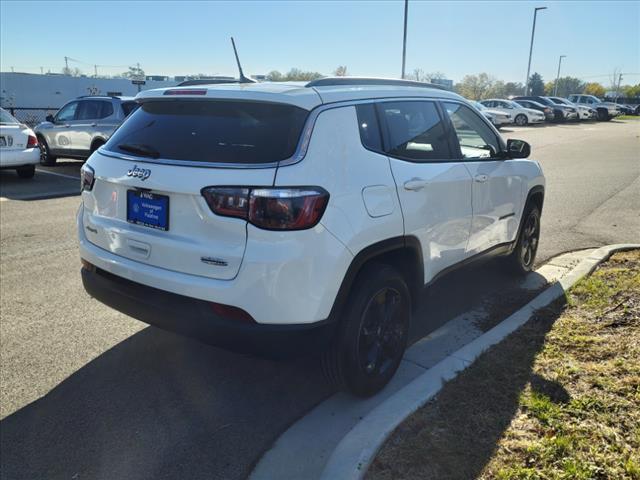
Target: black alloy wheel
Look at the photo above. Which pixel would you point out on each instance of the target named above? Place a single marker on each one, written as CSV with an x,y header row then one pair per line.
x,y
529,240
380,341
373,332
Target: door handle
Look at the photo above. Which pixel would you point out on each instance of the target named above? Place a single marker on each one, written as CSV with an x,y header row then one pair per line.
x,y
67,125
94,124
415,184
481,178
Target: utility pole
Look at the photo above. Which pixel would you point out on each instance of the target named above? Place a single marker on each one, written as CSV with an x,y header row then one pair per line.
x,y
95,71
618,89
66,64
533,32
555,88
404,39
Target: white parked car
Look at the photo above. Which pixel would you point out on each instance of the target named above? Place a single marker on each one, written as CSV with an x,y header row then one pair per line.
x,y
585,112
605,111
498,118
283,219
521,116
18,146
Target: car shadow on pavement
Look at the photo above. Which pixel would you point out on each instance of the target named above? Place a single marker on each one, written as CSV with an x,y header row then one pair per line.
x,y
158,405
155,406
42,185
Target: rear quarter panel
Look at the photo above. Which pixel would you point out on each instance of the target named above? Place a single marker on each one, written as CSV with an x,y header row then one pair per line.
x,y
337,161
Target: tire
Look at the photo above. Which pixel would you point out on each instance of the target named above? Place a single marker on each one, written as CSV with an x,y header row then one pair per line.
x,y
521,120
521,260
45,154
28,171
603,115
95,145
372,336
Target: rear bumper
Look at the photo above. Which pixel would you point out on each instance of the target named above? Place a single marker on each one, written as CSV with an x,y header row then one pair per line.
x,y
195,318
19,158
288,279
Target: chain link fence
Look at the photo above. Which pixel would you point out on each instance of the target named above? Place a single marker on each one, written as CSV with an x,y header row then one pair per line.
x,y
31,116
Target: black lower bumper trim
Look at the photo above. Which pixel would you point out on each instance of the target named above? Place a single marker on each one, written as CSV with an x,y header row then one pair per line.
x,y
195,318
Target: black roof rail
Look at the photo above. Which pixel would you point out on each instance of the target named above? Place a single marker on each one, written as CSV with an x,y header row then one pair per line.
x,y
345,81
102,96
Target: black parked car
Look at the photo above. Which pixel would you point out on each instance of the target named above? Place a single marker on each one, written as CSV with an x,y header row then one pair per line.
x,y
548,111
560,112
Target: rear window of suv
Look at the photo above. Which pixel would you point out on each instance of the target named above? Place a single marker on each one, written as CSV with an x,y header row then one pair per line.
x,y
211,131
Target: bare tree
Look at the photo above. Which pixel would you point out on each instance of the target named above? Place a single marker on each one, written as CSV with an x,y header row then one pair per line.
x,y
341,71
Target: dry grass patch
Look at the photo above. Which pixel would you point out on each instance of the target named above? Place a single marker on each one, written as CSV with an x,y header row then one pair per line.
x,y
558,399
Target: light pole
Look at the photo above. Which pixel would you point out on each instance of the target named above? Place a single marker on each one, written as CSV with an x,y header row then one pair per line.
x,y
404,39
533,31
555,88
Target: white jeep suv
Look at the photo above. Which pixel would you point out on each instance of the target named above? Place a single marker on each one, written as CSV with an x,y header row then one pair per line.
x,y
282,219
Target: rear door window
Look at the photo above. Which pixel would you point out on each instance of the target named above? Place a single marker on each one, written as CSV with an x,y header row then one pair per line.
x,y
211,131
107,109
89,110
414,131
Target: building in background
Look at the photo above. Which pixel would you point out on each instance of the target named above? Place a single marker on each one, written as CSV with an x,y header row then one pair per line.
x,y
51,91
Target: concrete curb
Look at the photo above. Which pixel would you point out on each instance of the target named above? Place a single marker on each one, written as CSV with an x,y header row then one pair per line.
x,y
355,452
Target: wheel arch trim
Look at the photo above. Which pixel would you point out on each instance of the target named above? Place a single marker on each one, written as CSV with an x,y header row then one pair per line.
x,y
375,251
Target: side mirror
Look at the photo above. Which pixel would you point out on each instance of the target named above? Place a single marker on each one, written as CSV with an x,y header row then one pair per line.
x,y
518,148
49,118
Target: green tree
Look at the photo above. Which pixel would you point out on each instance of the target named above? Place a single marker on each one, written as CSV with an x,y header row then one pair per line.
x,y
536,84
632,91
594,88
548,88
566,86
502,89
475,87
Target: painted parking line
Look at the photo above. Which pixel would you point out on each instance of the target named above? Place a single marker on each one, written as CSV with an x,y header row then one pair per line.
x,y
57,174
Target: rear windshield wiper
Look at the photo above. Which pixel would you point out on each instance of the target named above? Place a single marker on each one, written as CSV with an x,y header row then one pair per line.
x,y
138,149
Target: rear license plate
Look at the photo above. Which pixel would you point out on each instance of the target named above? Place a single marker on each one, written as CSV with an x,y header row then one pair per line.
x,y
148,209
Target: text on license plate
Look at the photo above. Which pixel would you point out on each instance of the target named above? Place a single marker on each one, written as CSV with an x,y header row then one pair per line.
x,y
148,209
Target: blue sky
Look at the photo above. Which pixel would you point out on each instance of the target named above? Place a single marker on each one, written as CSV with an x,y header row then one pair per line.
x,y
456,38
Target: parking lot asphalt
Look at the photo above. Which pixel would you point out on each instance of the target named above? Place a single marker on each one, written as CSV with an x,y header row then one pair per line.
x,y
86,392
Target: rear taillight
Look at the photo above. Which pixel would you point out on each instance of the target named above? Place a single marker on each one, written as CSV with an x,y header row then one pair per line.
x,y
290,208
87,178
32,142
